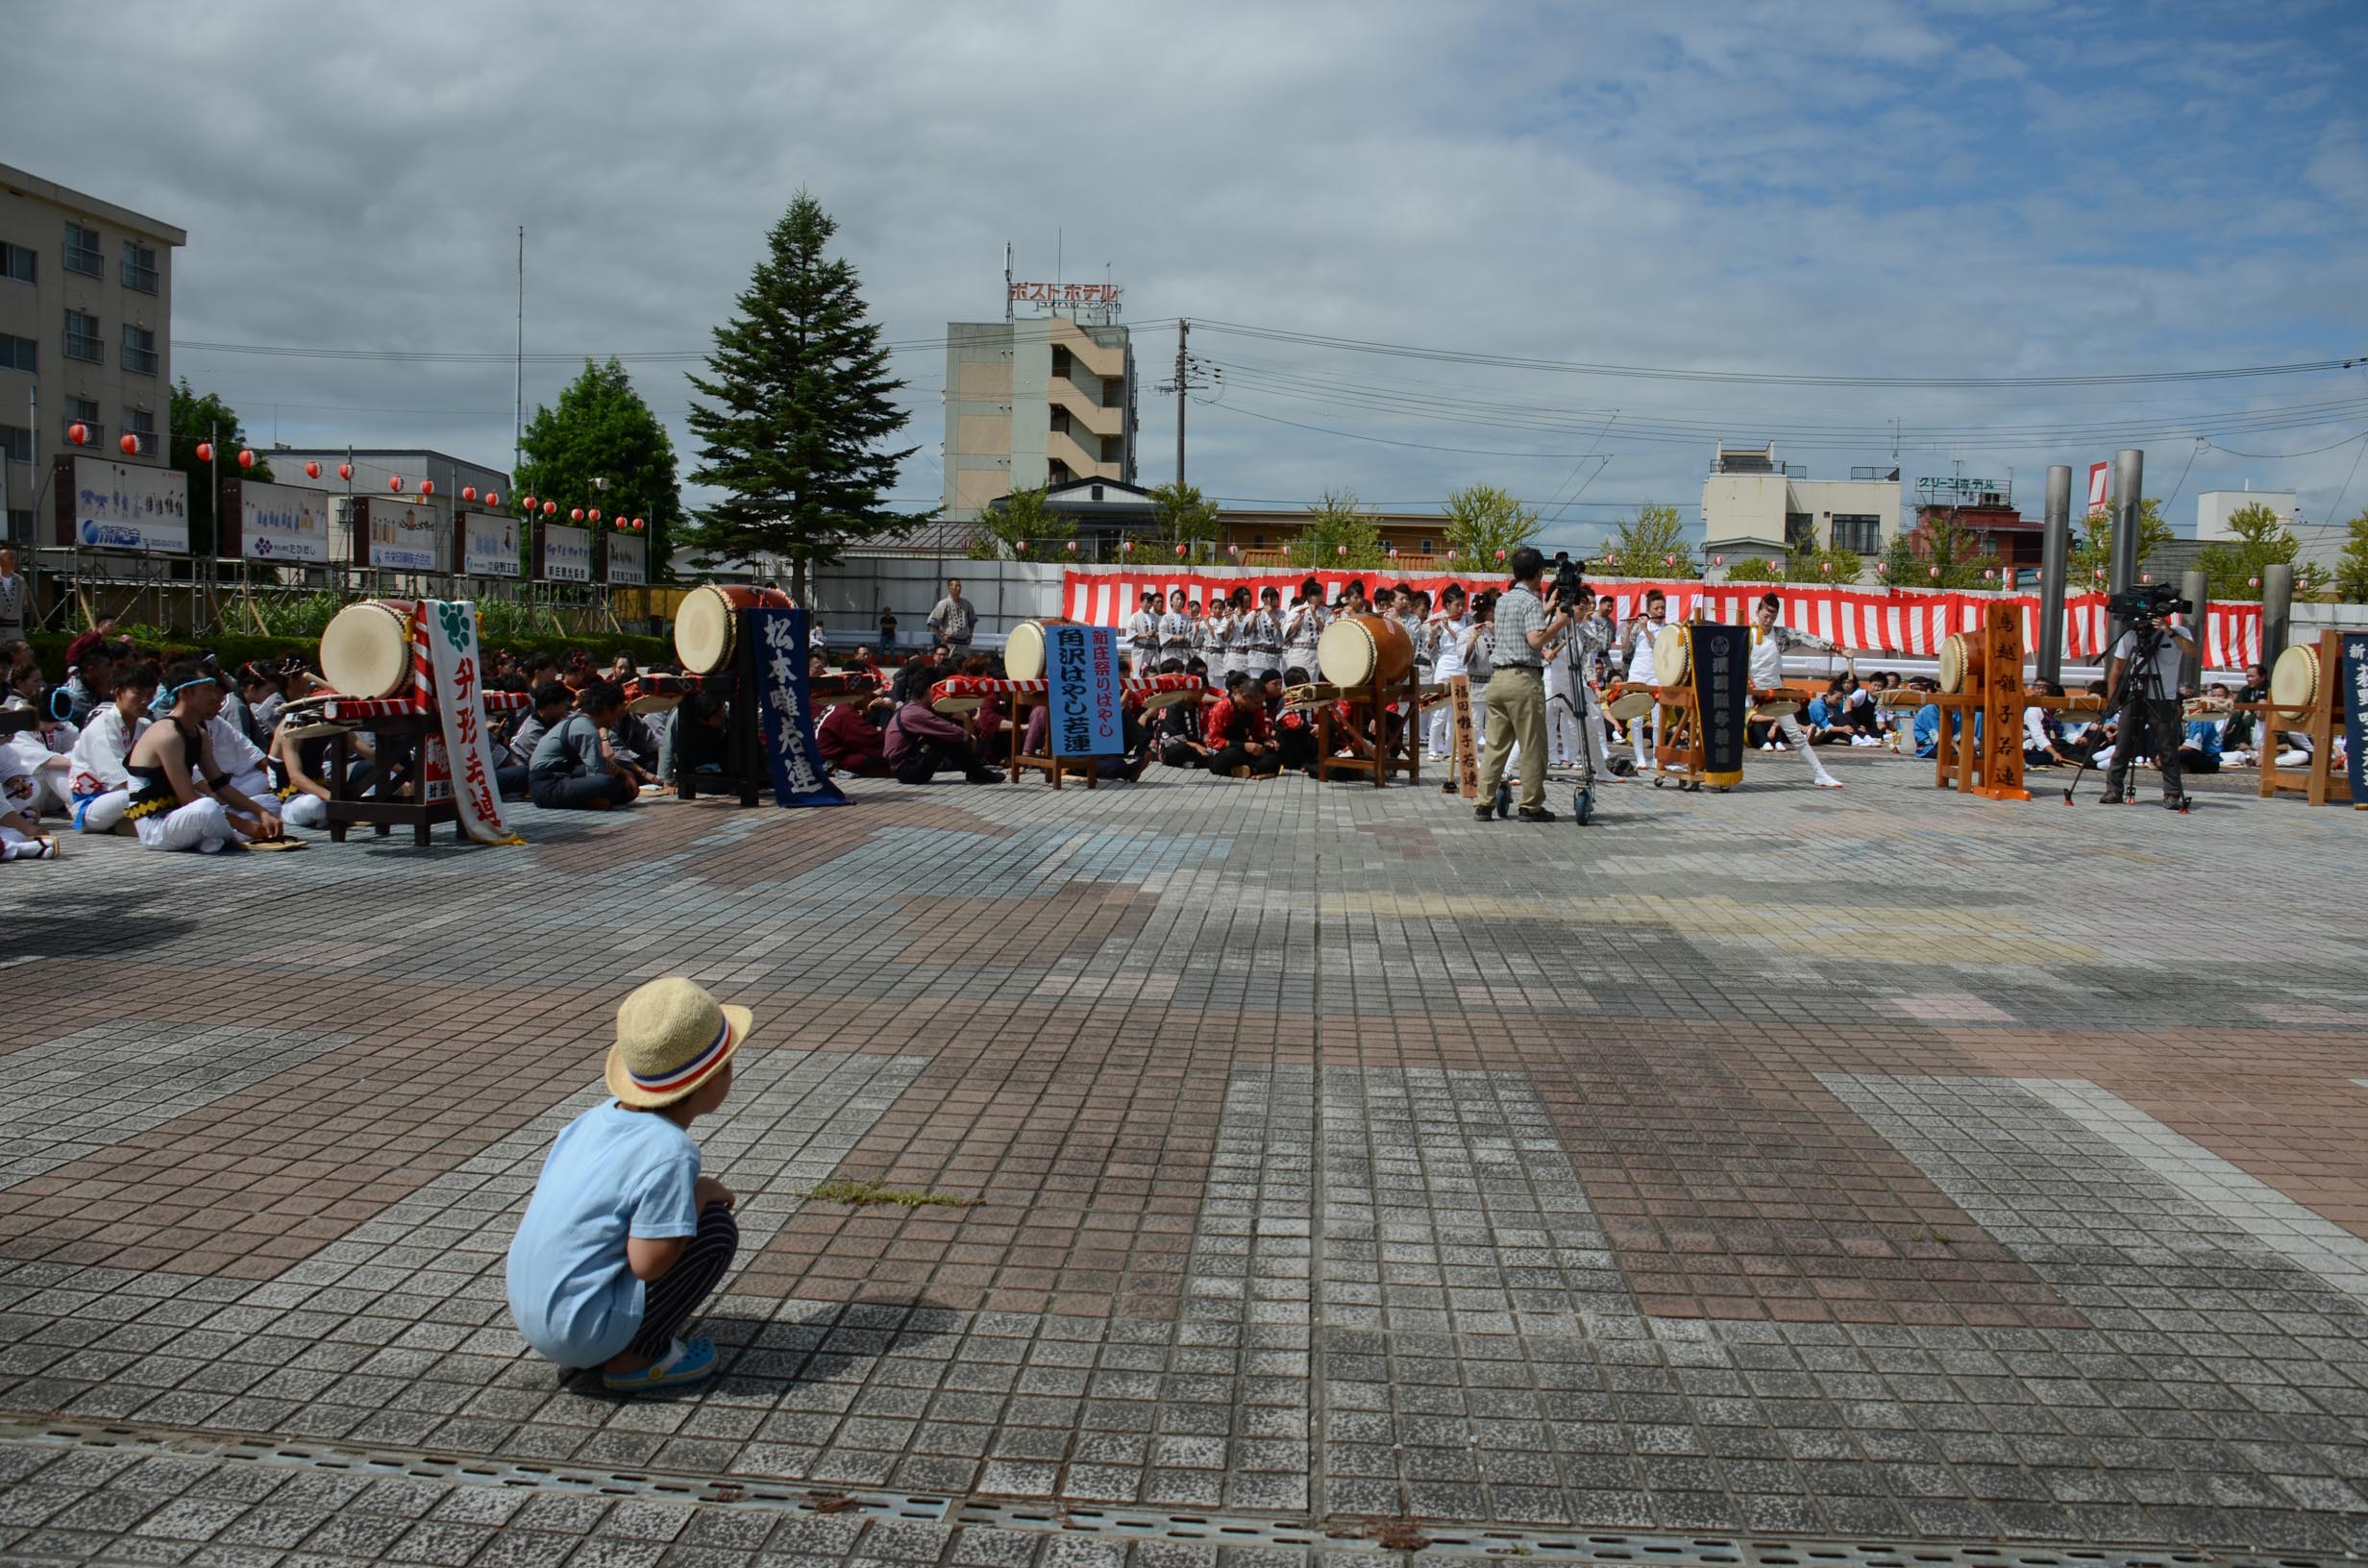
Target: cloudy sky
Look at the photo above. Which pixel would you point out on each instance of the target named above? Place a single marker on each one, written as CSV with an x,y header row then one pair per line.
x,y
1808,189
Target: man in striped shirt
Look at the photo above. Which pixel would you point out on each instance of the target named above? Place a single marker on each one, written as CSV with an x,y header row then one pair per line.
x,y
1516,688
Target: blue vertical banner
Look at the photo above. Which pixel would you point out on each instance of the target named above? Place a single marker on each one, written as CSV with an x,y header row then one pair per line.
x,y
1721,674
786,713
1081,686
2355,699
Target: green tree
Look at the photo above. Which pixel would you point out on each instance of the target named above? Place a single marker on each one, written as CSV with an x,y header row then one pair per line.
x,y
1812,565
1335,524
1484,521
191,418
2260,538
2352,566
2093,544
798,404
1183,517
1937,554
601,430
1754,569
1652,544
1020,519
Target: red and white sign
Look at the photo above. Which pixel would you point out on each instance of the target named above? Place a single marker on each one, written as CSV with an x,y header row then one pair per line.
x,y
1065,293
1904,623
2099,502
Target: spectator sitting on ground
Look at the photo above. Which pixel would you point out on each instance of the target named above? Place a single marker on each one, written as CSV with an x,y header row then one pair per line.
x,y
922,743
2199,746
573,766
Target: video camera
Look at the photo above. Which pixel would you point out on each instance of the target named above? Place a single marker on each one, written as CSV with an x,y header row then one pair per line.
x,y
1569,583
2150,601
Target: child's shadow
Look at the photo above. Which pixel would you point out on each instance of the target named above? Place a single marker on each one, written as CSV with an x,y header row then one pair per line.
x,y
766,1356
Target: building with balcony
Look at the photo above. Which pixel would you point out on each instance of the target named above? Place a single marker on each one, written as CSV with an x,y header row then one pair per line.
x,y
86,332
1036,400
1753,504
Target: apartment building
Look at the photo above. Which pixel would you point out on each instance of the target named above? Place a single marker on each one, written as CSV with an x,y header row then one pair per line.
x,y
1036,400
1755,504
86,332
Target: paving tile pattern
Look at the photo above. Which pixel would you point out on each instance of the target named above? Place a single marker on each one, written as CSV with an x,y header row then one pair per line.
x,y
1773,1162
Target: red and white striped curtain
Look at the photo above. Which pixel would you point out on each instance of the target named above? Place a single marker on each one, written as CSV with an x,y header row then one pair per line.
x,y
1906,622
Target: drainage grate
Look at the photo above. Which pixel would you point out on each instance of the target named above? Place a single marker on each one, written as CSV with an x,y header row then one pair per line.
x,y
1598,1549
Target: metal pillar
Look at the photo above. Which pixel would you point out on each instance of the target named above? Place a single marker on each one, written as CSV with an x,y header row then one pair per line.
x,y
2196,589
2055,560
2277,613
2121,568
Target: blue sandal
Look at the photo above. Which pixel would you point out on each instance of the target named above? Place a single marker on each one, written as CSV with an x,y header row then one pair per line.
x,y
686,1361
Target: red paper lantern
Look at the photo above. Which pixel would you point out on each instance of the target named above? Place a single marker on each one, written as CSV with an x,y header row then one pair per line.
x,y
1935,571
575,514
1882,568
1072,547
1236,550
493,498
638,525
130,443
1020,547
2145,576
551,508
246,457
345,471
1394,553
1180,552
1500,556
312,471
468,492
1342,550
2253,582
1668,560
394,481
2098,574
1989,574
79,434
205,451
1826,567
1129,547
427,487
1718,560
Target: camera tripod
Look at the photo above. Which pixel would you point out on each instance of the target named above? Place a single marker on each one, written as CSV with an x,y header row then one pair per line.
x,y
2142,679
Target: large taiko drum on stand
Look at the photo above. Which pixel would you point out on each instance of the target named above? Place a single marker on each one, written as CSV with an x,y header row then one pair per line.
x,y
1023,650
1629,699
366,647
706,627
2294,680
1961,661
1364,651
1673,656
1778,703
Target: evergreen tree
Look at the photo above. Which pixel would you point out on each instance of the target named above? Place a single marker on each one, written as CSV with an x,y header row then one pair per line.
x,y
191,418
603,430
799,400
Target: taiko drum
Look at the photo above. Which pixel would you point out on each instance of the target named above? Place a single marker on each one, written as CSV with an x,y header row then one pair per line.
x,y
705,628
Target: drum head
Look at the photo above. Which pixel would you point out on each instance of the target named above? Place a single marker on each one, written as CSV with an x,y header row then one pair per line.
x,y
1776,707
1673,656
1634,702
2294,680
366,651
702,632
1344,654
1024,655
1957,662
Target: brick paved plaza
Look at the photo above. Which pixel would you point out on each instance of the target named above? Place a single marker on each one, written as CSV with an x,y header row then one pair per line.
x,y
1879,1167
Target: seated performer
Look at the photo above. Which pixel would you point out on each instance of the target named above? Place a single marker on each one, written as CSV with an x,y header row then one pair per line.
x,y
574,768
298,772
1241,742
921,742
550,705
849,741
102,788
44,748
21,804
181,797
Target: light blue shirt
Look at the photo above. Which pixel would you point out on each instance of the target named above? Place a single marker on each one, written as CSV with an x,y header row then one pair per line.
x,y
611,1174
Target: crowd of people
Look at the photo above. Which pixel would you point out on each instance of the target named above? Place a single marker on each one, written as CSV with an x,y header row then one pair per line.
x,y
190,755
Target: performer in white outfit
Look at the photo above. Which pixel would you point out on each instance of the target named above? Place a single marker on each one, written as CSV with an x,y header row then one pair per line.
x,y
1143,633
181,797
1641,634
45,749
1175,631
1769,644
101,787
1588,636
1445,633
1265,633
1304,627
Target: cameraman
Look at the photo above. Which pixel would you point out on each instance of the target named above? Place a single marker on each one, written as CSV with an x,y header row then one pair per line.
x,y
2149,709
1516,688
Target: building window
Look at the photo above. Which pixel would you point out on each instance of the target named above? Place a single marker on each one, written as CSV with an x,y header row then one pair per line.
x,y
1113,392
84,411
82,338
1428,548
139,349
1113,448
16,443
19,353
1800,530
139,266
141,424
20,524
1058,471
1257,541
1060,420
1858,531
16,263
1060,361
82,252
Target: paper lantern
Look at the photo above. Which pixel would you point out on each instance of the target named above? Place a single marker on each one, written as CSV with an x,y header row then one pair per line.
x,y
205,449
345,471
594,514
1180,552
394,481
2098,574
2145,576
1882,568
312,471
468,492
1935,571
1392,553
1236,550
1718,560
79,434
551,508
1500,557
1129,547
246,457
130,443
1342,551
1668,560
575,514
1989,574
1072,547
1826,567
1020,547
427,487
2253,582
493,498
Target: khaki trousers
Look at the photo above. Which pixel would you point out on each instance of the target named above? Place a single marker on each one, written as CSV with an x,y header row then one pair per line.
x,y
1517,712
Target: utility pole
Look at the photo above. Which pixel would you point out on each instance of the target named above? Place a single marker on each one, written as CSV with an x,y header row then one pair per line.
x,y
518,431
1183,330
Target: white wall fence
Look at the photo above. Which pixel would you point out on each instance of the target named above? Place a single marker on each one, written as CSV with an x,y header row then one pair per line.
x,y
1005,593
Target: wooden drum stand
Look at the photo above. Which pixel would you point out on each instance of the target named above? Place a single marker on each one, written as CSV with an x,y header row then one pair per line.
x,y
2321,719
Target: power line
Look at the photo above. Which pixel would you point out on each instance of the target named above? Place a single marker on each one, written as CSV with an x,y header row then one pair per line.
x,y
505,356
1757,377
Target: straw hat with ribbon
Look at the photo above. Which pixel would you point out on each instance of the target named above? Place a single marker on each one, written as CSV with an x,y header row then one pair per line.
x,y
672,1036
